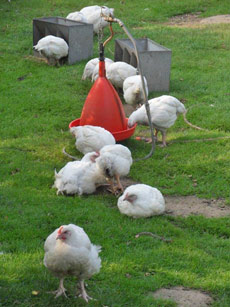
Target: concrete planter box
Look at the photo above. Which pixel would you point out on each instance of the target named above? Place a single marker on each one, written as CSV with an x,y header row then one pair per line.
x,y
78,35
155,61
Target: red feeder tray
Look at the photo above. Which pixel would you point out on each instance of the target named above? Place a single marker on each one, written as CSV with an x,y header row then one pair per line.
x,y
104,108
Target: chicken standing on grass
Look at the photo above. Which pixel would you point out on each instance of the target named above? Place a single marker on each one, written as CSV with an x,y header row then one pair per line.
x,y
91,138
69,252
79,177
141,200
114,161
93,16
133,90
164,111
90,66
117,72
52,48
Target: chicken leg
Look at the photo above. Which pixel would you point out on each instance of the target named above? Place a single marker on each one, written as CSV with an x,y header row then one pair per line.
x,y
84,294
61,290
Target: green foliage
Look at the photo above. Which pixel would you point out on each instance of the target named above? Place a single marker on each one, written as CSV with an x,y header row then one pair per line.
x,y
36,105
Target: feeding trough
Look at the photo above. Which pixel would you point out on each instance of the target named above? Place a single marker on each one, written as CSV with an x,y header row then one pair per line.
x,y
78,35
103,107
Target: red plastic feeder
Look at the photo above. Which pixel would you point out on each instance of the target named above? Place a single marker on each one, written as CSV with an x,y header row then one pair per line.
x,y
104,108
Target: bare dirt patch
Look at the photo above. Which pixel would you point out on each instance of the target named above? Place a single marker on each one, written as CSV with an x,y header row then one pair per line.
x,y
183,205
192,205
184,297
194,20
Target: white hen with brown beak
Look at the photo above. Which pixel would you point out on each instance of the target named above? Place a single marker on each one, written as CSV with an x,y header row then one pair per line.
x,y
114,161
69,252
141,200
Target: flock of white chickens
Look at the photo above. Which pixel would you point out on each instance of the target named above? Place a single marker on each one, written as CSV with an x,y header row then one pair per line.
x,y
68,250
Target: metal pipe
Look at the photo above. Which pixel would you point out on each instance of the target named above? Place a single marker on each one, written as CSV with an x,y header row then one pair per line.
x,y
121,24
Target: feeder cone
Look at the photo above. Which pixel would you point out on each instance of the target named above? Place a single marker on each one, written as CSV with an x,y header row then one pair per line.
x,y
103,106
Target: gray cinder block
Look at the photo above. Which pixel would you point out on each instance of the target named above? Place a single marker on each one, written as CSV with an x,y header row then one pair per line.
x,y
155,61
78,35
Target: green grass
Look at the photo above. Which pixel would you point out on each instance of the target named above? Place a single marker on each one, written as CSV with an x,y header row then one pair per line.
x,y
35,114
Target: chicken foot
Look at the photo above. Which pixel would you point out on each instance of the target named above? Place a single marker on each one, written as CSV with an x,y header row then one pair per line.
x,y
61,290
84,294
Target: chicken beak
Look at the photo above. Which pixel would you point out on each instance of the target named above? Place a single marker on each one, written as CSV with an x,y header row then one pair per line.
x,y
126,197
58,237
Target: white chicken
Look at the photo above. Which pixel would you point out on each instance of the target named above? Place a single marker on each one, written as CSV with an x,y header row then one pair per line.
x,y
90,66
117,72
133,90
79,177
114,161
69,252
53,48
93,16
77,16
164,111
96,69
91,138
141,200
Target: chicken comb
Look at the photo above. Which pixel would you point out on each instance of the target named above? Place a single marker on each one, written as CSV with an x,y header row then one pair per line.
x,y
60,230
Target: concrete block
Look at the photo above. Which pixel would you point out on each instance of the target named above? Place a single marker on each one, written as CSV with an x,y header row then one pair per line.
x,y
155,61
78,35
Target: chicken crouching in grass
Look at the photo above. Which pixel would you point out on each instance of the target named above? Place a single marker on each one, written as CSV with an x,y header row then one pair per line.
x,y
91,138
52,48
114,161
164,111
141,200
79,177
69,252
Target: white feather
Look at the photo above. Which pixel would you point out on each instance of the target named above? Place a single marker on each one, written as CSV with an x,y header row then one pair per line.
x,y
77,16
133,90
90,66
52,47
148,201
78,177
164,111
91,138
75,256
95,74
93,16
117,72
115,159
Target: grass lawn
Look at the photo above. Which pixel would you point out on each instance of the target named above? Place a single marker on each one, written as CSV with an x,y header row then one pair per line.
x,y
35,113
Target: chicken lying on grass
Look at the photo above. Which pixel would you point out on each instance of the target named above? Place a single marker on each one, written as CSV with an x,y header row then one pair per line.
x,y
52,48
164,111
69,252
141,200
91,138
79,177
